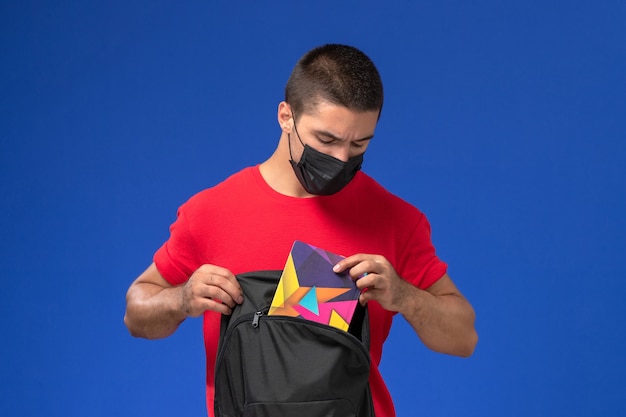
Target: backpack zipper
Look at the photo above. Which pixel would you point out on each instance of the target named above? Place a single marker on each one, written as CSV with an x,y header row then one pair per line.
x,y
353,339
255,319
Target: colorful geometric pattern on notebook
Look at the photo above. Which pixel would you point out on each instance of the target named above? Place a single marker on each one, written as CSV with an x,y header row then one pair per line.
x,y
309,288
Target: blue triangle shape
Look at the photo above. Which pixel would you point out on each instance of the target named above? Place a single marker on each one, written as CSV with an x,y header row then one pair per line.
x,y
309,301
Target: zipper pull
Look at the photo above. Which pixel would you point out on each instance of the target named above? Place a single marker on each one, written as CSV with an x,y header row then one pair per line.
x,y
255,319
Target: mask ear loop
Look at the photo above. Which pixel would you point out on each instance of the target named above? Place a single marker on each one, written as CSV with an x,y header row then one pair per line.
x,y
289,144
296,129
297,134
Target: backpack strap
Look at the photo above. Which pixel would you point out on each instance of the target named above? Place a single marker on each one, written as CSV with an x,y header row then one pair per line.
x,y
359,326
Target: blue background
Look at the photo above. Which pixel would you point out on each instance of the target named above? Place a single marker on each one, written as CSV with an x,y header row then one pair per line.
x,y
504,122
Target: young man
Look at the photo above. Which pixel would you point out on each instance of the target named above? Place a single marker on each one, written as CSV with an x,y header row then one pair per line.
x,y
311,189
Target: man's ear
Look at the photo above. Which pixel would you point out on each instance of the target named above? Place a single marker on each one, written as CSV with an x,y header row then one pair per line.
x,y
285,117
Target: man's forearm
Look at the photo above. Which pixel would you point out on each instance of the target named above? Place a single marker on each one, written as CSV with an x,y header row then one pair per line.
x,y
153,312
444,323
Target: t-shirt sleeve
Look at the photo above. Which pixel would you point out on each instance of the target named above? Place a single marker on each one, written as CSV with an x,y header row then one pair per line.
x,y
420,264
177,258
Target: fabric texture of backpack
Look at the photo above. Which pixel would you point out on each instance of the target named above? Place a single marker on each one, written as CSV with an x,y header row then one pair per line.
x,y
273,366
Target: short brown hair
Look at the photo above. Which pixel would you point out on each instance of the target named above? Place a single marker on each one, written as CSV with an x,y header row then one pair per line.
x,y
339,74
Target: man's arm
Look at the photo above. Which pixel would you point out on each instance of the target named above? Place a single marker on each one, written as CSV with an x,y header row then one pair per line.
x,y
155,308
442,318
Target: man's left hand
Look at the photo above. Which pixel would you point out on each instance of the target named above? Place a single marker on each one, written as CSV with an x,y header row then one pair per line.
x,y
377,280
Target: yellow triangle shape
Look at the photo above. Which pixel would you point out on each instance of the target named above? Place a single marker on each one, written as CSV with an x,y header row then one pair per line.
x,y
279,297
337,321
289,278
287,285
286,308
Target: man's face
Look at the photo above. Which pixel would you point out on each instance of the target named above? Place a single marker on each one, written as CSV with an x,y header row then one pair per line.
x,y
335,131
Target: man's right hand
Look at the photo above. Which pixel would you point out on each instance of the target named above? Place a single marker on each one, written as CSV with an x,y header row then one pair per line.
x,y
210,288
155,308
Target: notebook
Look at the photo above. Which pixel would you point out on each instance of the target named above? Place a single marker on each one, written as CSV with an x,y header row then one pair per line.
x,y
309,288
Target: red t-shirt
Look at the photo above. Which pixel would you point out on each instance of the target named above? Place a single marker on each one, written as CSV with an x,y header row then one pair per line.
x,y
243,225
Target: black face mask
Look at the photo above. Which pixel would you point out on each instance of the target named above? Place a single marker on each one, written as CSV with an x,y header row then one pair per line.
x,y
322,174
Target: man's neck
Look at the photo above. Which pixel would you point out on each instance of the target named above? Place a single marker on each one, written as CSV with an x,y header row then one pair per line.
x,y
278,174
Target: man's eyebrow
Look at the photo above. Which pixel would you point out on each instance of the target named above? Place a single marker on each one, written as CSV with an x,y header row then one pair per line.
x,y
330,135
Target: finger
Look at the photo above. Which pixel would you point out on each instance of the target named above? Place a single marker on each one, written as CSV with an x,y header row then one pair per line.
x,y
230,287
219,307
214,292
362,300
366,296
195,305
224,279
348,262
367,270
358,265
207,304
365,281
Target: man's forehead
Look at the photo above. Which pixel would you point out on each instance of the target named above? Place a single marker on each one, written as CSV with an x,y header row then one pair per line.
x,y
341,123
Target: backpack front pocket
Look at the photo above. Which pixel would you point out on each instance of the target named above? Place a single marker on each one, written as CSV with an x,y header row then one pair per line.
x,y
284,365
